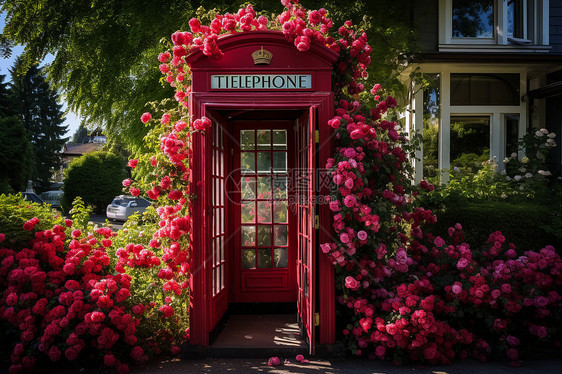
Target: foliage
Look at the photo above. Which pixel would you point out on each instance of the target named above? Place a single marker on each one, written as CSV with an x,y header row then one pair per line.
x,y
111,86
64,295
15,211
37,107
80,134
16,155
14,171
531,225
96,177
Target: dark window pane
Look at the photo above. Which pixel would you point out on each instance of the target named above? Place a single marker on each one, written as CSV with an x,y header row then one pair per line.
x,y
473,18
470,142
264,258
484,89
248,259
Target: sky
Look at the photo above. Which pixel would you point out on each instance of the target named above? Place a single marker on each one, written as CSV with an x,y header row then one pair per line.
x,y
71,119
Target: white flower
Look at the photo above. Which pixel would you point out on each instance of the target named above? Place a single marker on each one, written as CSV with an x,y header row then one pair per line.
x,y
514,155
544,131
528,175
506,160
551,135
539,134
517,178
545,173
508,178
503,195
522,169
456,169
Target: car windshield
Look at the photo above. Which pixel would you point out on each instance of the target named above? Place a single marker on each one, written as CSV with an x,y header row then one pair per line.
x,y
121,201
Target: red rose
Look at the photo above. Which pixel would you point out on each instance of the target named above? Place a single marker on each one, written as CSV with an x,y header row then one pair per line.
x,y
146,117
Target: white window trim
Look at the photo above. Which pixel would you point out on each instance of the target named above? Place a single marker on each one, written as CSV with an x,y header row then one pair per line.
x,y
535,41
496,113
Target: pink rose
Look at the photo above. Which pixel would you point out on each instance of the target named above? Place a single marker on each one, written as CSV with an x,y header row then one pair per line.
x,y
350,201
456,288
344,238
362,235
274,361
351,283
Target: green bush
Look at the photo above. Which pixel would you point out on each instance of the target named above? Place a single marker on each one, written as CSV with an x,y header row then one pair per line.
x,y
15,211
530,226
96,177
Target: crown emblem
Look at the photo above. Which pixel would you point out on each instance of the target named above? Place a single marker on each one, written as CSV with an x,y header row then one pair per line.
x,y
262,57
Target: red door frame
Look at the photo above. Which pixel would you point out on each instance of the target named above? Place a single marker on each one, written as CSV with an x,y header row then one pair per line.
x,y
204,103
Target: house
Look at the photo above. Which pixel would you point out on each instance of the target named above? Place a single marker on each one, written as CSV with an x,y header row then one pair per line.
x,y
489,71
72,151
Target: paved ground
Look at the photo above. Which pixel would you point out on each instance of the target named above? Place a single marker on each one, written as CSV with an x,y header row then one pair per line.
x,y
100,219
236,366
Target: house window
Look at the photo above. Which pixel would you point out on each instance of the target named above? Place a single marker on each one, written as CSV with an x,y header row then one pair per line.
x,y
473,19
486,24
470,142
484,89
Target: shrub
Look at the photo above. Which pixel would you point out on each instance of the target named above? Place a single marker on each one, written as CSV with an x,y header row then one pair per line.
x,y
61,298
528,223
96,177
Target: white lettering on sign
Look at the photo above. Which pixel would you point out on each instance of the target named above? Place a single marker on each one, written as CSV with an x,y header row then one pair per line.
x,y
261,81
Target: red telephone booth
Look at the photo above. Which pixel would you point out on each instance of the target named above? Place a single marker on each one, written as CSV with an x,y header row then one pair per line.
x,y
257,219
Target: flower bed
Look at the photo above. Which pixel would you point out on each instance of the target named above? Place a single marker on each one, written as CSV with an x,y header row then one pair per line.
x,y
77,293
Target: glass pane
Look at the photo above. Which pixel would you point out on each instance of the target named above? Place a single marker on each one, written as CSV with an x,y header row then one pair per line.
x,y
248,212
279,139
247,162
484,89
264,258
264,139
431,100
264,161
264,211
279,161
248,259
470,143
264,187
280,187
280,235
248,235
511,133
248,188
473,19
264,235
247,141
280,212
281,257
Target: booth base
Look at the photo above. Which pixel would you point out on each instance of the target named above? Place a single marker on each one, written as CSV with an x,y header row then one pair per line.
x,y
261,335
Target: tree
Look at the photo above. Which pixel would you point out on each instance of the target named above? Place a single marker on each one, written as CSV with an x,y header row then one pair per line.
x,y
96,177
16,155
37,107
105,53
80,134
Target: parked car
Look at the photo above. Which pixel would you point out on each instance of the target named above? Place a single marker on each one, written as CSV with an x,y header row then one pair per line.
x,y
124,206
52,197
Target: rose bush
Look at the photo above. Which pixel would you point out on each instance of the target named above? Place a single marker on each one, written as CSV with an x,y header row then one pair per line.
x,y
71,291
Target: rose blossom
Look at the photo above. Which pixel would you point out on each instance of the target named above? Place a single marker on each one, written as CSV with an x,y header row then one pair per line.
x,y
362,235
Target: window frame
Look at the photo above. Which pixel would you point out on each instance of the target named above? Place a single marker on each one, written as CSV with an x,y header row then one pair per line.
x,y
535,24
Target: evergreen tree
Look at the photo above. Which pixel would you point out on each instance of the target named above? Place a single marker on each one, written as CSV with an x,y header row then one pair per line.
x,y
38,109
16,155
80,134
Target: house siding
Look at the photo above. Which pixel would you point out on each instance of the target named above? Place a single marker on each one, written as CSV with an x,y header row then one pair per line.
x,y
426,18
555,26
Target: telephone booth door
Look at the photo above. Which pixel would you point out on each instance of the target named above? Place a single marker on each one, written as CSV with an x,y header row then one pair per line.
x,y
263,223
